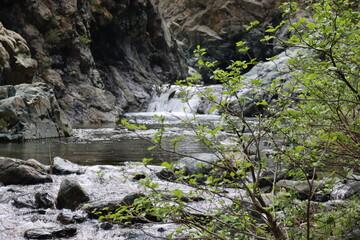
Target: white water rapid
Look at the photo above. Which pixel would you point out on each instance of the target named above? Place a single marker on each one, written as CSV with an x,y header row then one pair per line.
x,y
170,98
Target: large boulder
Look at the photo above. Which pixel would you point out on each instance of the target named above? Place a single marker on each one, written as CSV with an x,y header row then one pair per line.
x,y
30,111
16,64
14,171
71,195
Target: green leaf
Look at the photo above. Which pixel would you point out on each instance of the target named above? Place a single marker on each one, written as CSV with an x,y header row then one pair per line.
x,y
177,193
151,148
167,165
310,25
263,102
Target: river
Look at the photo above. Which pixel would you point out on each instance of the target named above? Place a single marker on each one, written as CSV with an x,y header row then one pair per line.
x,y
106,145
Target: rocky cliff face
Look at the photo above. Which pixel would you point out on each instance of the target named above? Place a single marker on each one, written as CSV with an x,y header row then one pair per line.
x,y
27,111
98,55
102,55
16,64
217,25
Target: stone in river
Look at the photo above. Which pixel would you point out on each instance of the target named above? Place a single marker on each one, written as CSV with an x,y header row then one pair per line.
x,y
14,171
62,166
51,232
71,195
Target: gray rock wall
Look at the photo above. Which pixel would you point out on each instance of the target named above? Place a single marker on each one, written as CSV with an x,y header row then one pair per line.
x,y
103,55
217,25
98,55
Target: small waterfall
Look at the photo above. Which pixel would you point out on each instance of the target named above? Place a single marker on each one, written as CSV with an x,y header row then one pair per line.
x,y
169,98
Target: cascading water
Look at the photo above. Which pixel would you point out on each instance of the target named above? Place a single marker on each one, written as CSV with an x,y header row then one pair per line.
x,y
178,99
194,99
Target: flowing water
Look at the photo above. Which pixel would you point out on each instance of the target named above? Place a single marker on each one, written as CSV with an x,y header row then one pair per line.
x,y
98,144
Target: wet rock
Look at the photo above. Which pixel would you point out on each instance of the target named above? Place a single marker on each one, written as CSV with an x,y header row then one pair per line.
x,y
51,233
71,195
37,165
103,208
166,174
44,200
13,171
138,236
266,189
161,229
32,113
198,163
139,176
35,214
106,207
303,189
5,137
267,178
67,217
322,197
62,166
24,203
7,91
345,190
130,199
106,226
185,199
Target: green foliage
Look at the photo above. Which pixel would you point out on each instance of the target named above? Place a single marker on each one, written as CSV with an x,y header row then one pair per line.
x,y
339,222
313,128
98,7
100,175
139,210
328,74
53,36
84,39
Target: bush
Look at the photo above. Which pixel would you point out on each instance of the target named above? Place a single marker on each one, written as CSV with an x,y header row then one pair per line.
x,y
311,122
